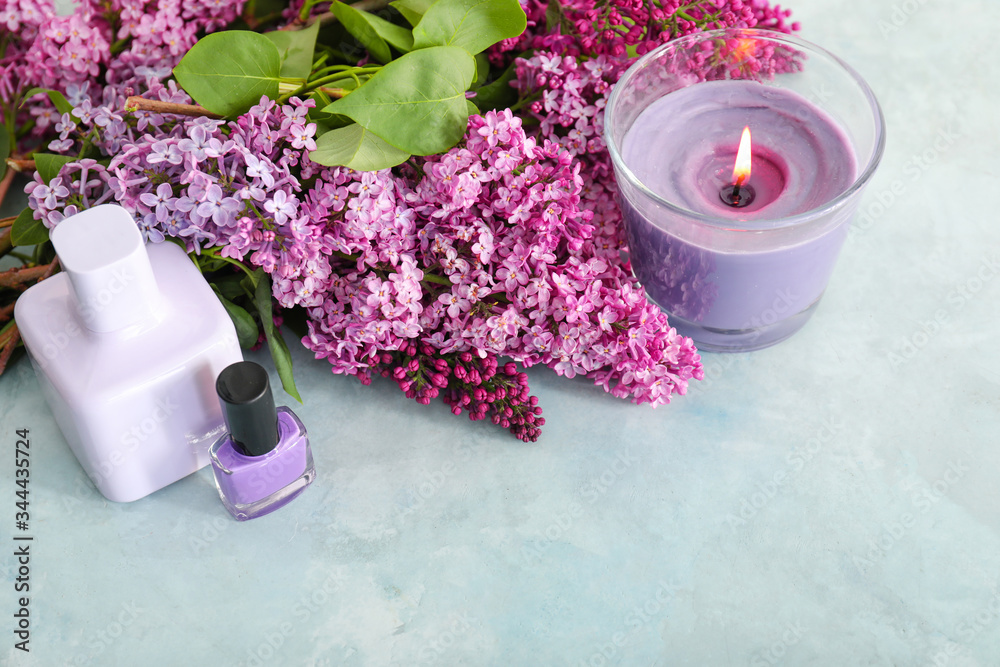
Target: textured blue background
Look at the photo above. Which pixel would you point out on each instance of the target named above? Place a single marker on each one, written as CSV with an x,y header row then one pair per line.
x,y
810,504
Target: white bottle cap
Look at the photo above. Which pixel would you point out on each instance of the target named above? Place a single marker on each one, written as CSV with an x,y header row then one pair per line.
x,y
102,251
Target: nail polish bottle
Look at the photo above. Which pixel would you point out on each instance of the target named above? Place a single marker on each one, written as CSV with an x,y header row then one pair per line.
x,y
127,341
263,462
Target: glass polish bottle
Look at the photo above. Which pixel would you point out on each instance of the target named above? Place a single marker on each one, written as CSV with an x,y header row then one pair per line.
x,y
263,461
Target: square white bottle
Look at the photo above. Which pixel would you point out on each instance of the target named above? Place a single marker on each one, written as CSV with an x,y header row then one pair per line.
x,y
127,343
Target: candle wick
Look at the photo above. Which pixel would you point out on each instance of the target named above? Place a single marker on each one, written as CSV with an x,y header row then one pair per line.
x,y
738,195
736,188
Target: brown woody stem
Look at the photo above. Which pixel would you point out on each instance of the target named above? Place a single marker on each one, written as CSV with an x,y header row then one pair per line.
x,y
20,165
18,277
5,184
8,341
136,103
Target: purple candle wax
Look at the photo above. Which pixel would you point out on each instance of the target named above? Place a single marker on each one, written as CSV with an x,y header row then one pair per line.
x,y
755,271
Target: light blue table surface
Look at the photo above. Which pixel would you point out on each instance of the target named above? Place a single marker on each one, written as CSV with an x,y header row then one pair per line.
x,y
822,502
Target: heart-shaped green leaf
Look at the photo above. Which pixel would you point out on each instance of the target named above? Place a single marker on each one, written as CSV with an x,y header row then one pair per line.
x,y
48,165
296,49
355,147
356,24
28,231
228,72
57,98
395,35
413,10
416,102
473,25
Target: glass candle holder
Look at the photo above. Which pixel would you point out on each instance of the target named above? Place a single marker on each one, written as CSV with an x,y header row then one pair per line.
x,y
745,271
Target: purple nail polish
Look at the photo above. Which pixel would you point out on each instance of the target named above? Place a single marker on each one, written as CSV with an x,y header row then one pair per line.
x,y
263,461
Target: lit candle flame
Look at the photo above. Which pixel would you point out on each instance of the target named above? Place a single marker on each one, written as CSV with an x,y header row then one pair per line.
x,y
741,172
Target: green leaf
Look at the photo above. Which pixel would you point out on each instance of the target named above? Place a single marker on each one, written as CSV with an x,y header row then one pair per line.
x,y
473,25
358,26
482,69
416,102
57,98
553,16
279,351
229,285
48,165
228,72
246,328
395,35
28,231
296,49
413,10
355,147
498,94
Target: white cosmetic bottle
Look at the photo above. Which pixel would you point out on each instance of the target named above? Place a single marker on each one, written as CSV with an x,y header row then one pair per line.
x,y
127,343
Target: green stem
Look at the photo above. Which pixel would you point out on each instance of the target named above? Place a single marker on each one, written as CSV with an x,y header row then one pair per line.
x,y
527,100
434,278
208,252
118,46
352,73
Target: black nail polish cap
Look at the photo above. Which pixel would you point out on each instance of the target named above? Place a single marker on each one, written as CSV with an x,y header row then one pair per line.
x,y
248,407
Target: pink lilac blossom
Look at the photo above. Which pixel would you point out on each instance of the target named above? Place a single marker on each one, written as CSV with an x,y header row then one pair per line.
x,y
102,45
586,28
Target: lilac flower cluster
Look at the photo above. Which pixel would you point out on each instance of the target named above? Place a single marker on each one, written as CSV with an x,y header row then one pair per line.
x,y
103,47
467,382
586,28
80,185
491,254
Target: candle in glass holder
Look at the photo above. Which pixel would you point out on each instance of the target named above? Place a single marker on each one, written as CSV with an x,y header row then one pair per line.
x,y
738,259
